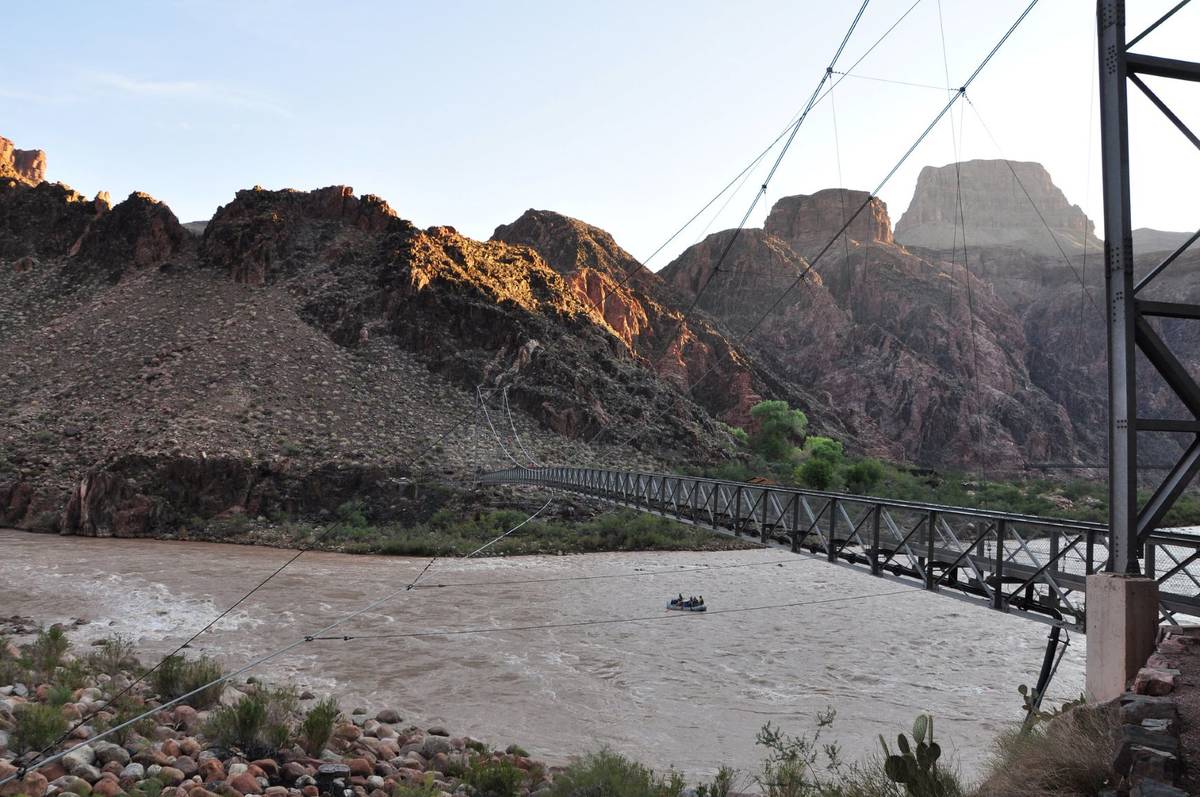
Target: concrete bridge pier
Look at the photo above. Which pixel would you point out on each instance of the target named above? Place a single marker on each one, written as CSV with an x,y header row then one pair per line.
x,y
1122,627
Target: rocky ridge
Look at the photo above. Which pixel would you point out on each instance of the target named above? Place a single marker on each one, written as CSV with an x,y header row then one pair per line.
x,y
309,348
882,333
26,166
697,353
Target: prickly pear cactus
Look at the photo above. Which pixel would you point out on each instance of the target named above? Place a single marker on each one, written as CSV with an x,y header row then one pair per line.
x,y
915,765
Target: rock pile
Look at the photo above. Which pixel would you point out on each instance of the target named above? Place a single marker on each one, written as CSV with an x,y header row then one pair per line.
x,y
171,756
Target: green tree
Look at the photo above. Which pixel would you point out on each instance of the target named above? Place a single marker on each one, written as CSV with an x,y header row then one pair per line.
x,y
862,476
825,448
778,426
816,473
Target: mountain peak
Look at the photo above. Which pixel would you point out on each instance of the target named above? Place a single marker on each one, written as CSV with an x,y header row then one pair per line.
x,y
26,166
808,221
995,209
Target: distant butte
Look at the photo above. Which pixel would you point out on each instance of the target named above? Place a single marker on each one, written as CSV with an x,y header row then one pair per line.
x,y
26,166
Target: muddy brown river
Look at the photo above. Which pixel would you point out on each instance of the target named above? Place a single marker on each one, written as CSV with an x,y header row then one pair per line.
x,y
688,691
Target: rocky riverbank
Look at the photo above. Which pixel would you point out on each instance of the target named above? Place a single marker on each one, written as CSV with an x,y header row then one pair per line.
x,y
228,741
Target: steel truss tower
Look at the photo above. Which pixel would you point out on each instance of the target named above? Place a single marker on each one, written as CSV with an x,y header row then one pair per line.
x,y
1129,317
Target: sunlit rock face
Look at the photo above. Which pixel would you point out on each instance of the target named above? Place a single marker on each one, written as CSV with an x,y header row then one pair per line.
x,y
27,166
995,210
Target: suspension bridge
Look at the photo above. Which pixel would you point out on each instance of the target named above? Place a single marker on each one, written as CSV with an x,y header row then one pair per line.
x,y
1024,564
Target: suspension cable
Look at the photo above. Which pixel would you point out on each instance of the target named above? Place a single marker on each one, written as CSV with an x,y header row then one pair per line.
x,y
791,137
499,442
779,298
513,426
1035,207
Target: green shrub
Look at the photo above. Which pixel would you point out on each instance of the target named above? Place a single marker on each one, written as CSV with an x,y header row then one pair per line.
x,y
816,473
283,705
863,476
150,787
46,652
351,514
74,674
724,783
317,727
608,774
824,448
176,677
240,725
424,789
489,778
59,694
38,726
113,656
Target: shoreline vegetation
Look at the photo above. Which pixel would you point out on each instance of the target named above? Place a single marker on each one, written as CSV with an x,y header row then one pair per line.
x,y
243,738
458,532
780,449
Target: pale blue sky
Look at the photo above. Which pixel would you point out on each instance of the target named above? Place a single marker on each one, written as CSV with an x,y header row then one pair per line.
x,y
628,115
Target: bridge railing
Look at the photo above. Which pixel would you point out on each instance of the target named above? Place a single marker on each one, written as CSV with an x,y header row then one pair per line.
x,y
1009,562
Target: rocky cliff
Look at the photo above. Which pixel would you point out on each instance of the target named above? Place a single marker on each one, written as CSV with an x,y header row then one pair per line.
x,y
697,354
308,348
27,166
919,359
995,210
808,223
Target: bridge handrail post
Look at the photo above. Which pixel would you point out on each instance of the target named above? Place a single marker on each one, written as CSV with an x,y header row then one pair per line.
x,y
737,511
998,602
1148,566
930,582
875,540
1089,567
831,550
795,531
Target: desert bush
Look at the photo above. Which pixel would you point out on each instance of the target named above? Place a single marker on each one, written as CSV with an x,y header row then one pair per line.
x,y
150,787
241,725
113,656
823,448
73,674
608,774
46,652
423,789
862,476
817,473
176,677
1070,754
489,778
317,726
59,694
724,783
38,726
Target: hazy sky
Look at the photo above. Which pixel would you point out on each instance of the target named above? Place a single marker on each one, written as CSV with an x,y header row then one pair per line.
x,y
629,115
